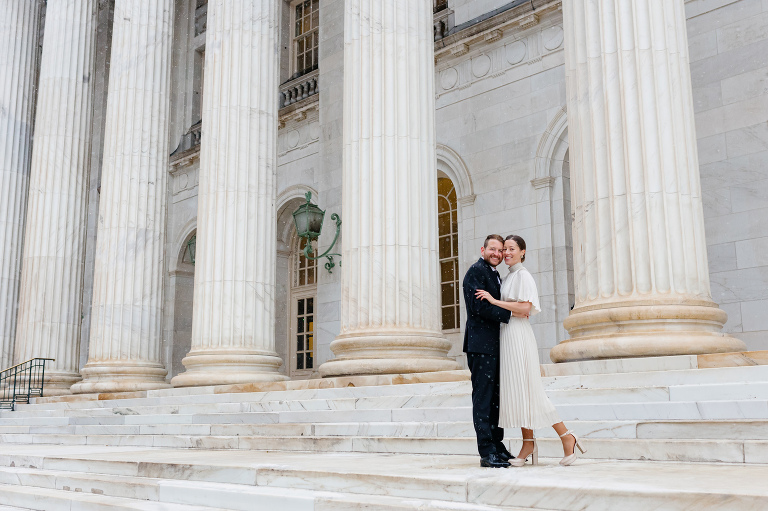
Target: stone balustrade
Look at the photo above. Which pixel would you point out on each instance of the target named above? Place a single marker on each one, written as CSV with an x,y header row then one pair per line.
x,y
298,89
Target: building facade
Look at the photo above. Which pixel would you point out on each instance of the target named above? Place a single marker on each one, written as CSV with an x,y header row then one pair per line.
x,y
627,142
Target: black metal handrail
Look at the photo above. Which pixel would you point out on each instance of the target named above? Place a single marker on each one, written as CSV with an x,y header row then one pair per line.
x,y
21,382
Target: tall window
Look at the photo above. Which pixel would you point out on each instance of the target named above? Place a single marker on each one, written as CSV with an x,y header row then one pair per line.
x,y
303,302
305,36
448,225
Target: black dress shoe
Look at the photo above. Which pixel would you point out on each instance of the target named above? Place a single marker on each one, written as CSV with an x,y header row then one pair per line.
x,y
493,460
502,452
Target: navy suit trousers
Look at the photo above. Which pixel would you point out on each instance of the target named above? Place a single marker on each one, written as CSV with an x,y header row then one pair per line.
x,y
485,402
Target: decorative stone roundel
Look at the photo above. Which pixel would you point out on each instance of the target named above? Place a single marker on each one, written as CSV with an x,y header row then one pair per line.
x,y
448,78
553,37
481,65
515,52
183,181
292,138
314,130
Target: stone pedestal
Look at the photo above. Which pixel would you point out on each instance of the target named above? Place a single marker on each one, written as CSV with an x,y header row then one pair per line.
x,y
126,325
233,325
390,287
50,304
19,26
640,258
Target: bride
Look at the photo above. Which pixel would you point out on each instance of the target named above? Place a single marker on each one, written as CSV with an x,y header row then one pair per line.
x,y
522,400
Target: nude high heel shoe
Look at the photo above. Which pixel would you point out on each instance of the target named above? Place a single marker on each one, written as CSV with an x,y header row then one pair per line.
x,y
519,462
568,460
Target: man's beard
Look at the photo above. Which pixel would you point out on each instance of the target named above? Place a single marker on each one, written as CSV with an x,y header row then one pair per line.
x,y
488,260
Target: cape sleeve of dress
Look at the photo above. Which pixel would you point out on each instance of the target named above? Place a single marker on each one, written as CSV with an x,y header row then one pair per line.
x,y
524,290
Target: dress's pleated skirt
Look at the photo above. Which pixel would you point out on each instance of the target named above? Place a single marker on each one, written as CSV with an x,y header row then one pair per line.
x,y
522,400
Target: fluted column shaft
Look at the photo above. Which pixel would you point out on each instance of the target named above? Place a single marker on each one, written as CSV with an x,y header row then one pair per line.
x,y
640,260
126,324
50,302
19,26
390,308
233,321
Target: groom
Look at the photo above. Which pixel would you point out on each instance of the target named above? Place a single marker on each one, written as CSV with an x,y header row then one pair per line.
x,y
481,344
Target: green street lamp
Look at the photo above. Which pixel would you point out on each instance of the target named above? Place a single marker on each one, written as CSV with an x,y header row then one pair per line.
x,y
309,223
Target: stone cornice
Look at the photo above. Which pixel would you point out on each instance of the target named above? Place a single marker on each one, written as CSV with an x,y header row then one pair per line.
x,y
184,159
303,109
492,29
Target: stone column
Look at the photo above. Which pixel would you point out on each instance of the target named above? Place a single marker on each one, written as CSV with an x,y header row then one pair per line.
x,y
50,301
390,287
19,24
126,324
640,258
233,321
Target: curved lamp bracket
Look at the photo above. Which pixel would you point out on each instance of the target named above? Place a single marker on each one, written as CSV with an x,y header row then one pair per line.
x,y
308,219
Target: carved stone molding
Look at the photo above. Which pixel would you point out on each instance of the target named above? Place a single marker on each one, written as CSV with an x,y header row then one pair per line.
x,y
459,50
492,29
494,60
529,21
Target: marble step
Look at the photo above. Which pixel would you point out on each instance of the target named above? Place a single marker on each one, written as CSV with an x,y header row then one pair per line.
x,y
696,429
45,499
247,480
599,382
681,410
692,450
659,378
666,363
565,398
191,495
324,404
652,410
208,395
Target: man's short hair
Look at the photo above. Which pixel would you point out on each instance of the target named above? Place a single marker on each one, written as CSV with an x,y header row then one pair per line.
x,y
493,237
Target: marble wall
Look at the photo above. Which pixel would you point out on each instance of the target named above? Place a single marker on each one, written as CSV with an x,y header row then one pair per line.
x,y
500,108
500,101
501,139
728,42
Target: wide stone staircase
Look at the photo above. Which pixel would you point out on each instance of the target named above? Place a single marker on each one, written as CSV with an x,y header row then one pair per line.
x,y
398,442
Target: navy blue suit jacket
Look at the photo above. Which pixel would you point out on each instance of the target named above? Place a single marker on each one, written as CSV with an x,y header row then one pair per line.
x,y
481,334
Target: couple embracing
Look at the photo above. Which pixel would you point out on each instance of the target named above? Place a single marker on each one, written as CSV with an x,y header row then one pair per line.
x,y
507,391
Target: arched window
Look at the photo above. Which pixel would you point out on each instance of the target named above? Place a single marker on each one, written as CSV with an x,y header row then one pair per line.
x,y
303,304
448,228
188,256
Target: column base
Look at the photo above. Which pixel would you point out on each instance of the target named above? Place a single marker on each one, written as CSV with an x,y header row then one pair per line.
x,y
385,353
57,383
120,376
645,330
228,367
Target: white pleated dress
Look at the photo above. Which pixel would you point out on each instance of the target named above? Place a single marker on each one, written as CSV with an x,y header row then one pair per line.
x,y
522,400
